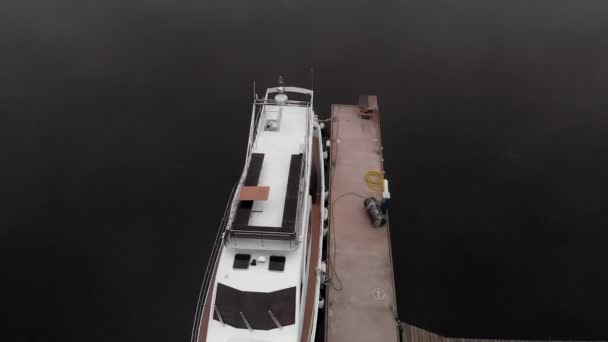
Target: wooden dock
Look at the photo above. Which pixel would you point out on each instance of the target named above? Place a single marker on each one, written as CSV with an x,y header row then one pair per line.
x,y
360,294
411,333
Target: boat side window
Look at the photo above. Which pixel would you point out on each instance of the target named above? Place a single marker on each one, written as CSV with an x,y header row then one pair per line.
x,y
277,263
241,261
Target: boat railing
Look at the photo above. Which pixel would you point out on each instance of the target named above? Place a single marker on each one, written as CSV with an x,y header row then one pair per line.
x,y
229,210
210,269
303,173
288,102
258,111
290,90
253,130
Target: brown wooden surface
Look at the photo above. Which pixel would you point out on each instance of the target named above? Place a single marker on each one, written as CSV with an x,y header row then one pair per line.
x,y
254,193
411,333
368,103
202,330
315,231
363,309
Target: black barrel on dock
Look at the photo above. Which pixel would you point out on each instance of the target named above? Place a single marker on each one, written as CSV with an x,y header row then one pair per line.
x,y
374,211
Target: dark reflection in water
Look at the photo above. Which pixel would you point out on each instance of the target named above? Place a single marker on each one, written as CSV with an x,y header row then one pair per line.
x,y
123,126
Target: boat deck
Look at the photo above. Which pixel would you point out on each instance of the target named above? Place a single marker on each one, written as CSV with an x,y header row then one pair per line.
x,y
361,294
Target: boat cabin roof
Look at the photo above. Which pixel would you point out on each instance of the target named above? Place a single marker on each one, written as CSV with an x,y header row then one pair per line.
x,y
268,200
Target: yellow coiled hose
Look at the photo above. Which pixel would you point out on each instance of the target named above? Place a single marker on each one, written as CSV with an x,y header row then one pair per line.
x,y
374,180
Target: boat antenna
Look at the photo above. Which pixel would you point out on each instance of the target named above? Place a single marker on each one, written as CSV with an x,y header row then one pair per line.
x,y
312,78
281,83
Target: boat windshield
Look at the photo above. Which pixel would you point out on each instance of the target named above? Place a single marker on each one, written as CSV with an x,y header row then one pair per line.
x,y
254,310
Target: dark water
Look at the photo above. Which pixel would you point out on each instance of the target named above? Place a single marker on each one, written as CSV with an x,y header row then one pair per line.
x,y
123,126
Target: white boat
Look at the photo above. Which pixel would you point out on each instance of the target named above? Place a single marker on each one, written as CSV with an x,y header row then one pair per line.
x,y
265,275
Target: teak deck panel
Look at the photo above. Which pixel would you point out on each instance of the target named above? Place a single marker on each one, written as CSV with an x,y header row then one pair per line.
x,y
254,193
364,309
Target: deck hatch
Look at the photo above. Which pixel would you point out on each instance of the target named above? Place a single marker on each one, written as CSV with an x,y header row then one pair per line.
x,y
241,261
276,263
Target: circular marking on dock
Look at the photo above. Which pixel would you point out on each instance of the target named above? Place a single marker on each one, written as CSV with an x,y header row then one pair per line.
x,y
378,294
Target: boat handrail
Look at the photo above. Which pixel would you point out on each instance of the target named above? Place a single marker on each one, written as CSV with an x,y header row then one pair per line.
x,y
219,314
210,268
255,127
276,321
289,102
246,321
290,89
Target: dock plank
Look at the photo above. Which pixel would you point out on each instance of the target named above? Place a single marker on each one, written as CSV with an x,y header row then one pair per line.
x,y
412,333
364,308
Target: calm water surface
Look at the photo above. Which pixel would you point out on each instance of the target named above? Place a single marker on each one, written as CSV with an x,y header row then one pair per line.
x,y
123,126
